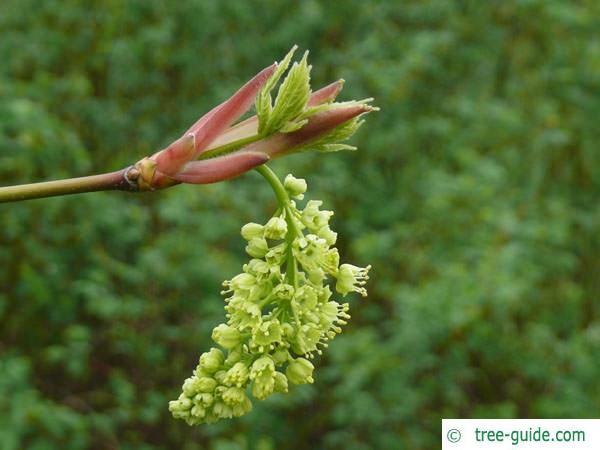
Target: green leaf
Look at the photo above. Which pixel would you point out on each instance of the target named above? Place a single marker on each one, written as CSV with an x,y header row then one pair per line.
x,y
292,96
264,102
293,126
328,148
330,142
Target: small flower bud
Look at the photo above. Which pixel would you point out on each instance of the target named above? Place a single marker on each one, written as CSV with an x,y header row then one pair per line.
x,y
243,281
306,297
276,255
194,385
257,247
316,276
257,267
314,218
252,230
288,329
326,233
211,361
284,291
223,410
226,336
263,387
234,396
198,411
220,376
329,312
205,399
280,356
300,371
281,382
262,372
234,356
181,404
237,375
266,333
295,187
276,228
189,388
242,408
263,365
205,384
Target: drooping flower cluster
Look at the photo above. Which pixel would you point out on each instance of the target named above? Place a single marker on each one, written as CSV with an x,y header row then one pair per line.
x,y
280,311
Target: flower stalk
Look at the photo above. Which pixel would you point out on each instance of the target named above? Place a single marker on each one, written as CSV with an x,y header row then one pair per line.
x,y
285,205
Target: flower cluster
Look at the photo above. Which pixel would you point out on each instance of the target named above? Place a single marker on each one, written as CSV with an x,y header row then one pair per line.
x,y
280,311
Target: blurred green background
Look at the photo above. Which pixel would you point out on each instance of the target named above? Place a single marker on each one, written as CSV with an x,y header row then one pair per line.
x,y
474,194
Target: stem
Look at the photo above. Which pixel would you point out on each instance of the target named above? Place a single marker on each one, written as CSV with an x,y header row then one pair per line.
x,y
229,147
278,189
103,182
283,199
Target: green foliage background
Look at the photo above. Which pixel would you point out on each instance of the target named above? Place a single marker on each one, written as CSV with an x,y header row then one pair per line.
x,y
474,195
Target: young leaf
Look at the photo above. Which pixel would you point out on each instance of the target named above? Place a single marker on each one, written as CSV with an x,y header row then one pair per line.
x,y
264,102
292,96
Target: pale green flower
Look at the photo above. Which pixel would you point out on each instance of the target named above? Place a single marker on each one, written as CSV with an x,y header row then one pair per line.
x,y
242,282
266,334
257,247
204,399
296,187
313,217
284,291
234,396
315,255
281,382
328,234
242,408
211,361
180,407
299,371
226,336
276,228
258,268
262,373
306,298
223,410
237,375
252,230
352,279
277,255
